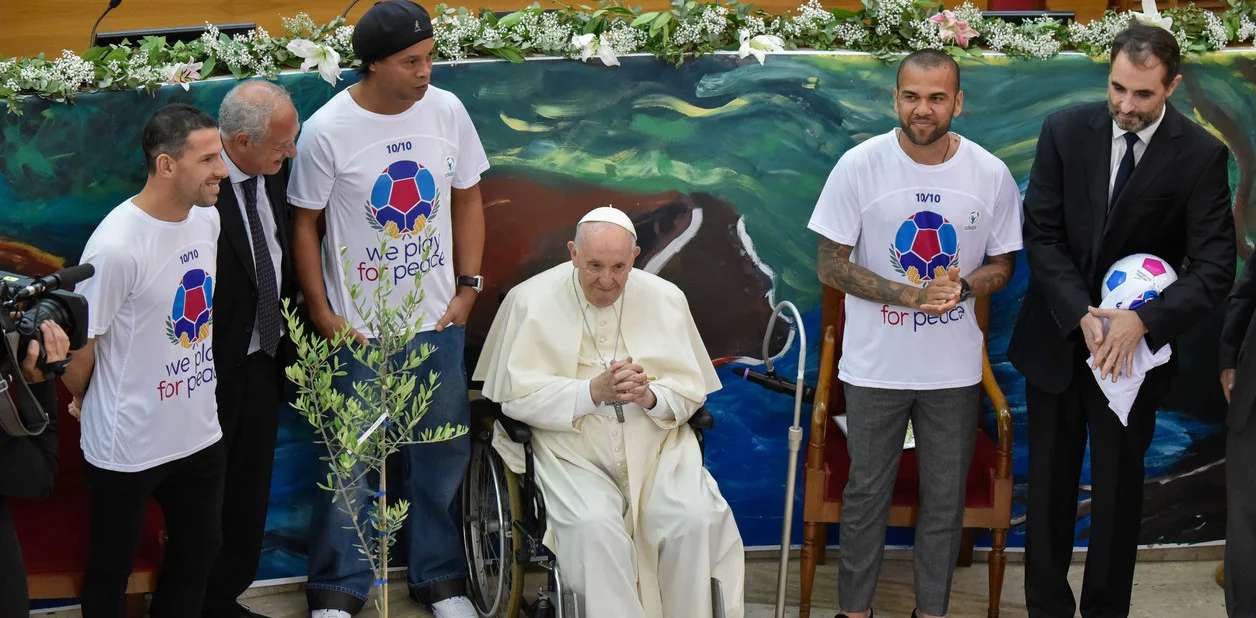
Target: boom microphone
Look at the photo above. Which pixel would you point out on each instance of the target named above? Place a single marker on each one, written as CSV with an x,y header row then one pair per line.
x,y
62,278
773,383
343,13
91,41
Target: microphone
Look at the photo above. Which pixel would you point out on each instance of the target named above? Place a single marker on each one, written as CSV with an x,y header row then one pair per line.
x,y
91,41
342,13
773,383
60,279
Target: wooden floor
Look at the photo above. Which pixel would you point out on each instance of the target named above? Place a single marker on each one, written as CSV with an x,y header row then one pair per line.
x,y
1160,589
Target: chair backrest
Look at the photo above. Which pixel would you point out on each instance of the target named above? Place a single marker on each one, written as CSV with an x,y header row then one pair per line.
x,y
832,313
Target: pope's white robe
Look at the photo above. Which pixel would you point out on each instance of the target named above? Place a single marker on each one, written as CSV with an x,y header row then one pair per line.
x,y
638,524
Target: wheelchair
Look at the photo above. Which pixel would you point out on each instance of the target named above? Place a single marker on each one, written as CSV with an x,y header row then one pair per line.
x,y
503,521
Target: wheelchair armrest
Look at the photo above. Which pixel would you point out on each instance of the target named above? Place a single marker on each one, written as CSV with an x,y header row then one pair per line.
x,y
485,412
702,419
518,432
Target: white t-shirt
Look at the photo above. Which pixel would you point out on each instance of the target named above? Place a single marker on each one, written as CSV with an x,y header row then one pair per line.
x,y
150,309
387,177
909,222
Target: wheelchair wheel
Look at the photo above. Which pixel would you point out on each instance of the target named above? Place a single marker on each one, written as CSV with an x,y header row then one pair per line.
x,y
490,505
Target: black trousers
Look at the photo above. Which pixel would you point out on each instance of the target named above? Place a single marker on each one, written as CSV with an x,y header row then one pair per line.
x,y
13,601
1240,533
189,491
248,410
1058,428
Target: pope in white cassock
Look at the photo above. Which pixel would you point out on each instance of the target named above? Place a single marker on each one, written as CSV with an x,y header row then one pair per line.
x,y
605,364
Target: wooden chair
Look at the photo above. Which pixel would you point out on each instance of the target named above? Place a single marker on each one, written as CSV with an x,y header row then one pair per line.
x,y
54,531
988,503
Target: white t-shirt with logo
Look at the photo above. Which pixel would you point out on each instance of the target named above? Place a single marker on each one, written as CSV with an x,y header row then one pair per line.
x,y
150,310
387,178
909,223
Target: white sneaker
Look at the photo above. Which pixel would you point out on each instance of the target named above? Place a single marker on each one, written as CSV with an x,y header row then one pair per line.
x,y
330,613
454,607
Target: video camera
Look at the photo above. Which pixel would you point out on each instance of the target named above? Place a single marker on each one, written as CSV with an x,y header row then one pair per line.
x,y
25,303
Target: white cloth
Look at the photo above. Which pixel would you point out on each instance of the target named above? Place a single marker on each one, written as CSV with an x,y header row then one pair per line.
x,y
266,216
638,524
387,177
151,395
1118,148
1122,393
887,206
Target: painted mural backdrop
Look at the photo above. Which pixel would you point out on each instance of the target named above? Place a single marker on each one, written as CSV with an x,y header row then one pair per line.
x,y
720,162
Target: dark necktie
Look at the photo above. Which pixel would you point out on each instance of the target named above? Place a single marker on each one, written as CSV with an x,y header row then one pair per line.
x,y
1125,169
268,316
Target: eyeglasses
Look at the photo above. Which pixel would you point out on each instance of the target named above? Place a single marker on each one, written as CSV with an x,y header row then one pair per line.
x,y
287,146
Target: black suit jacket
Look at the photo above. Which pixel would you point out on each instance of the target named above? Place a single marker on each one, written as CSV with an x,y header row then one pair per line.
x,y
1236,344
235,291
1176,205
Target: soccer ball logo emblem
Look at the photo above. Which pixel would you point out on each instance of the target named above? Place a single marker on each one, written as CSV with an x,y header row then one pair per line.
x,y
192,312
1142,299
403,200
925,246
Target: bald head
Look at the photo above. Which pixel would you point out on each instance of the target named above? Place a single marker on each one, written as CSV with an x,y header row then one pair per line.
x,y
603,254
259,126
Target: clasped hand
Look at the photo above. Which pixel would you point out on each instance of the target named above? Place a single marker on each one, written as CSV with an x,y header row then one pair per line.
x,y
624,380
1113,351
941,295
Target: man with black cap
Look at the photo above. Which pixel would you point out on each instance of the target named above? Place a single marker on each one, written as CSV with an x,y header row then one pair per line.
x,y
397,161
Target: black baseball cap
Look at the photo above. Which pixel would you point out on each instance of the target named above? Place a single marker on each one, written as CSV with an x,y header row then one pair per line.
x,y
389,27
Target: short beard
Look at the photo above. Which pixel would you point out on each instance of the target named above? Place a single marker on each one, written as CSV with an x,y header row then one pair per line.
x,y
937,134
1143,120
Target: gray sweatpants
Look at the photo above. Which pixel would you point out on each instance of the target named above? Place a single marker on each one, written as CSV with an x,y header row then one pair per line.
x,y
945,425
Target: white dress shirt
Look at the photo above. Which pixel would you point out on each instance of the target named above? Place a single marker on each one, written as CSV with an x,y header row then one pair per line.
x,y
1118,147
267,218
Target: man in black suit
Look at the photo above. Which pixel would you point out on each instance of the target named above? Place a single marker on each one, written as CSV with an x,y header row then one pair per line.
x,y
1238,381
258,124
1131,176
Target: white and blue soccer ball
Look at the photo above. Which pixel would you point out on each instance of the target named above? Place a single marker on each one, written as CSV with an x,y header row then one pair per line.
x,y
1135,280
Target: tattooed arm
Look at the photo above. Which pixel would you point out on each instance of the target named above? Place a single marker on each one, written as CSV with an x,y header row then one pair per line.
x,y
835,269
992,275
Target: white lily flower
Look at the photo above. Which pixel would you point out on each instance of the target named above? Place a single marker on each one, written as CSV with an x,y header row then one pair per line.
x,y
764,43
586,44
759,46
182,74
1151,16
606,51
590,44
323,56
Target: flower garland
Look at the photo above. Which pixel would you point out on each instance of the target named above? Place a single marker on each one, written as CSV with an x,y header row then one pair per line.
x,y
688,29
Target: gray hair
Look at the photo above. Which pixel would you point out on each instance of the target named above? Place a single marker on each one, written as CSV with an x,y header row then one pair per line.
x,y
248,107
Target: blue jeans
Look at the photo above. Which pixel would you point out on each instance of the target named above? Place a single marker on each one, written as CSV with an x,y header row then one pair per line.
x,y
339,575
